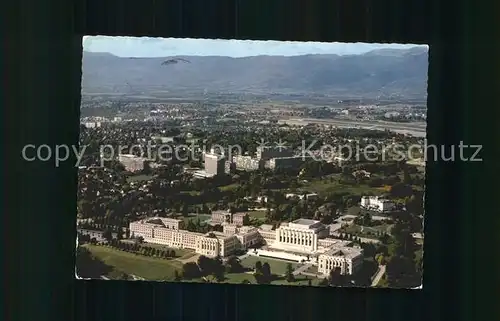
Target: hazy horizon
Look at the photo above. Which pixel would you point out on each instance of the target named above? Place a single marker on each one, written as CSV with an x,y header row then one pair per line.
x,y
167,47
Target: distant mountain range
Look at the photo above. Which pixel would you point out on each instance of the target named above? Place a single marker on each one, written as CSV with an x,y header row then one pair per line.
x,y
379,73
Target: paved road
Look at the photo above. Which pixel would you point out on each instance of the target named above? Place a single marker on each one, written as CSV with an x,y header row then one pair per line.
x,y
378,276
301,269
413,128
244,256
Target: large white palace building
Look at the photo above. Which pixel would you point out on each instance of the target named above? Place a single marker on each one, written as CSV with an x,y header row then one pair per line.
x,y
300,240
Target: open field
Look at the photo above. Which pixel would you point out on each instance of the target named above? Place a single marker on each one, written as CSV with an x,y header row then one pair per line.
x,y
278,267
326,186
365,230
228,188
146,267
257,214
192,193
238,278
417,127
201,217
139,178
163,270
189,257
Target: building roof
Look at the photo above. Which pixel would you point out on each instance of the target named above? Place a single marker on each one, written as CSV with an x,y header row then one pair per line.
x,y
348,252
305,222
266,227
214,156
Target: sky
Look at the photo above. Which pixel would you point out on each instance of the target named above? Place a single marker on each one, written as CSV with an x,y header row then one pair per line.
x,y
165,47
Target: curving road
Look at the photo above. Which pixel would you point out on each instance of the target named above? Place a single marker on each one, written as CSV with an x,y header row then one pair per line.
x,y
378,276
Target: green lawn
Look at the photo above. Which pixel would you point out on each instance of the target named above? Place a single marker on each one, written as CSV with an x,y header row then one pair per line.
x,y
192,193
139,178
278,267
187,255
354,210
356,229
257,214
312,269
327,187
146,267
230,187
236,278
201,217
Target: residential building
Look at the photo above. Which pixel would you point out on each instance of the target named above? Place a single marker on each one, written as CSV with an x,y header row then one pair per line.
x,y
348,259
311,196
214,164
375,203
132,163
247,163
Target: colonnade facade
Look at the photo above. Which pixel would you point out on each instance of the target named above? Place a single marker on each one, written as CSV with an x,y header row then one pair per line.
x,y
326,264
303,240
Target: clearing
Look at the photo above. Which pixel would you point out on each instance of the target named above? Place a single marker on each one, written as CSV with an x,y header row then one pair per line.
x,y
278,267
326,186
143,266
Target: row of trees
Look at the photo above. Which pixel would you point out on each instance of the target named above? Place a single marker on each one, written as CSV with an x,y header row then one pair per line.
x,y
135,248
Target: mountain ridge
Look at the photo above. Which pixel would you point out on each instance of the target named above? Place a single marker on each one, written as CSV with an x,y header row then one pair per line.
x,y
381,72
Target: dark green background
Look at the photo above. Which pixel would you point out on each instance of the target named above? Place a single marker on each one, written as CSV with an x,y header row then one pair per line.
x,y
42,65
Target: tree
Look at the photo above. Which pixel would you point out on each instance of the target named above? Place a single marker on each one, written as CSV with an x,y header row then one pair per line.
x,y
406,175
233,265
368,249
415,204
401,190
380,258
88,266
261,273
258,266
289,273
190,270
335,277
401,273
185,210
218,269
205,265
246,220
107,235
266,271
